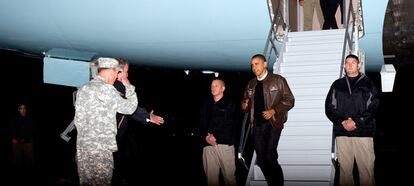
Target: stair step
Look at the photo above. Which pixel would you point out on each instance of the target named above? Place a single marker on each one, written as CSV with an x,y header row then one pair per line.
x,y
301,115
311,64
311,124
305,139
315,69
309,85
318,103
310,173
300,129
305,157
319,114
308,97
316,33
311,74
328,37
313,55
313,47
300,80
314,42
291,183
258,183
303,92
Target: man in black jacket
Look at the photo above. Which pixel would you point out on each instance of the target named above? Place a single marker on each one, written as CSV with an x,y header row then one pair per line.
x,y
217,127
126,146
351,104
22,128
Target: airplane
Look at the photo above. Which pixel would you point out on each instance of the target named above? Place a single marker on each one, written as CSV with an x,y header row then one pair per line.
x,y
171,34
179,34
210,35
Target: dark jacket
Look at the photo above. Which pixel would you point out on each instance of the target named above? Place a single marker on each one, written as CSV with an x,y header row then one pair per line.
x,y
220,119
141,115
22,129
356,99
277,95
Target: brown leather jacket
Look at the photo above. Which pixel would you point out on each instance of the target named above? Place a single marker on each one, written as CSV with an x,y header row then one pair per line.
x,y
277,96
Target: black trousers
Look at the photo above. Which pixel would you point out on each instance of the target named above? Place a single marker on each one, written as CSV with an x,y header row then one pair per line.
x,y
124,159
266,139
329,8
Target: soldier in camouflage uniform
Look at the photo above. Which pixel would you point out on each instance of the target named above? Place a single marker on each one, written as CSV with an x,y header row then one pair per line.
x,y
97,103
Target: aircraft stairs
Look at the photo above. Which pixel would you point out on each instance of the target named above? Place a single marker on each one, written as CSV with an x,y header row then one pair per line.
x,y
310,61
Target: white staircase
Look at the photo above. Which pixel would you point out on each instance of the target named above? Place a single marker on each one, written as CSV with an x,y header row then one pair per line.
x,y
310,61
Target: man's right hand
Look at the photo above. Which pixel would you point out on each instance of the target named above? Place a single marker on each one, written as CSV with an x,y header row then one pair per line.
x,y
124,80
158,120
210,139
349,124
244,105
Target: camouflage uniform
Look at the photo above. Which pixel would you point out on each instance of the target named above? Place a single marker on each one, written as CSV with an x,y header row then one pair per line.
x,y
97,103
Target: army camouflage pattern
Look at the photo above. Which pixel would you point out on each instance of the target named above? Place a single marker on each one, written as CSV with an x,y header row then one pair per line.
x,y
95,167
97,103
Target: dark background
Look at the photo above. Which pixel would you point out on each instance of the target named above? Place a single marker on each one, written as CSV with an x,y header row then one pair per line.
x,y
169,153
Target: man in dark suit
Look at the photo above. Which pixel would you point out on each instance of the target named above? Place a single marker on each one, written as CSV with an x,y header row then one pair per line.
x,y
127,147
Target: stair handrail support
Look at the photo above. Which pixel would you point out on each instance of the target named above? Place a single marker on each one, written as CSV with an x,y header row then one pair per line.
x,y
278,33
354,30
279,60
349,42
360,18
347,48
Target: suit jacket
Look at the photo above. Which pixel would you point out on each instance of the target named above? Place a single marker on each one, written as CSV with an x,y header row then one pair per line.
x,y
140,114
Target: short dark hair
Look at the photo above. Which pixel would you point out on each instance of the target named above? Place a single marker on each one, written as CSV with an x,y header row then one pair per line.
x,y
21,103
260,56
122,62
352,56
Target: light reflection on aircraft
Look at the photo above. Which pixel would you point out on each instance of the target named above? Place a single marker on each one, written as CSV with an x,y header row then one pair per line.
x,y
172,34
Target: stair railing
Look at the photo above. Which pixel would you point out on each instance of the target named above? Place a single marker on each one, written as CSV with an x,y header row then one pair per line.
x,y
359,16
354,30
277,33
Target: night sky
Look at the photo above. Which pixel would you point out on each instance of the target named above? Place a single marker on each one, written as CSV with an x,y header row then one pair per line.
x,y
169,92
177,97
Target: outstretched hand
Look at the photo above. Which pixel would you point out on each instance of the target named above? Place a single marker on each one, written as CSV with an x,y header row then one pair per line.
x,y
158,120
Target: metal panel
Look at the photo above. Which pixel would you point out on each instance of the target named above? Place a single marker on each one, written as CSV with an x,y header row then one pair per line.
x,y
65,72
